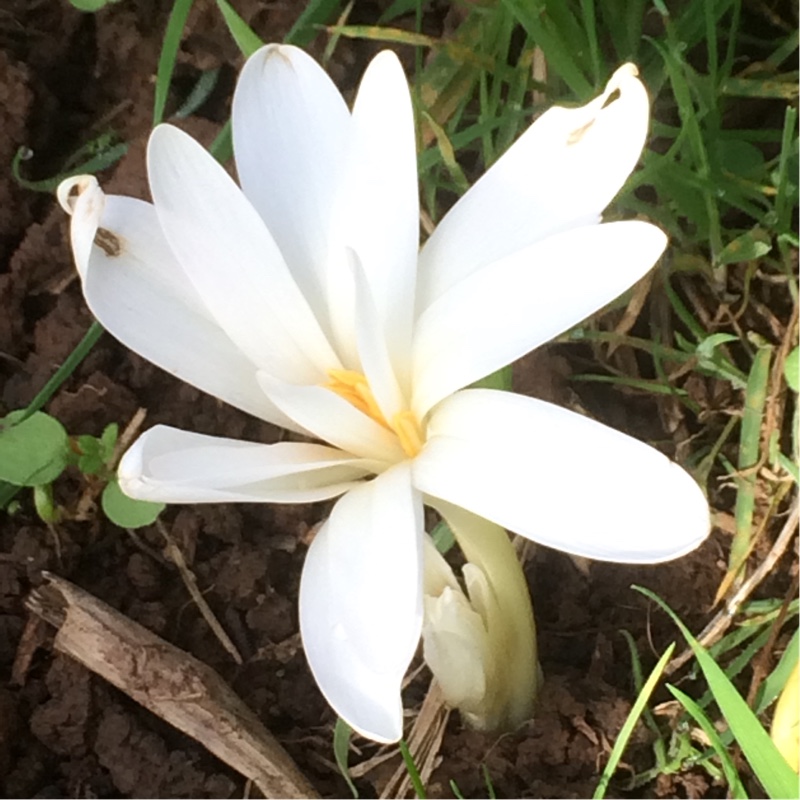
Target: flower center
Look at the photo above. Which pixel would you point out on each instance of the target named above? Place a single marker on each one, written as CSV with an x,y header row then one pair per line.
x,y
354,388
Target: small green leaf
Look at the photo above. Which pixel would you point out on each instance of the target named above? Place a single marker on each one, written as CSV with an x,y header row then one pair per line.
x,y
90,460
108,439
791,369
740,157
91,5
44,504
95,453
125,511
748,246
33,452
706,348
341,746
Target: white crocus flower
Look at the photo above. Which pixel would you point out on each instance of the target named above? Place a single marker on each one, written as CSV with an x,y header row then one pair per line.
x,y
302,298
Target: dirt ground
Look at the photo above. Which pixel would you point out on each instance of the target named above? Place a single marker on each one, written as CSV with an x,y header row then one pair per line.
x,y
64,78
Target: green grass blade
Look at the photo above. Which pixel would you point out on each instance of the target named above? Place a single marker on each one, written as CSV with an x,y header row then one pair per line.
x,y
169,53
317,12
783,198
222,146
246,40
199,94
413,772
630,723
638,684
559,52
749,450
590,26
487,779
773,685
341,747
769,766
102,155
69,365
728,767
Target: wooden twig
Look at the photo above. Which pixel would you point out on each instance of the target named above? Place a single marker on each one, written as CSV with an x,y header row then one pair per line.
x,y
169,682
722,621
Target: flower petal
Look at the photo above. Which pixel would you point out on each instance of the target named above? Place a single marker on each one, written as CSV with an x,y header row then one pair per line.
x,y
563,171
330,417
291,129
502,311
377,212
232,260
140,294
373,353
361,602
560,479
169,465
456,648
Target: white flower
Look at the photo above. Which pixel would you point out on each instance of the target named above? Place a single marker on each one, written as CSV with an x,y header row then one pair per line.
x,y
302,299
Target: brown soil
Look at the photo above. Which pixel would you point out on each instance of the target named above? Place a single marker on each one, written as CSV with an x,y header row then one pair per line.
x,y
64,78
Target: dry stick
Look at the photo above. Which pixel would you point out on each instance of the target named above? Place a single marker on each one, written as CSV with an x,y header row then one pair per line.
x,y
33,637
724,618
169,682
763,660
176,556
127,436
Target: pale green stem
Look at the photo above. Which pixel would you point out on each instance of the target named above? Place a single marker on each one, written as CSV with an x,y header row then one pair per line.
x,y
510,625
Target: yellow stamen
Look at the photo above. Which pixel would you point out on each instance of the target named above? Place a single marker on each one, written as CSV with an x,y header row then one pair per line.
x,y
354,388
404,424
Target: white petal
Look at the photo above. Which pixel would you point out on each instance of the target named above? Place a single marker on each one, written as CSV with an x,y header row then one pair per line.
x,y
504,310
563,171
454,635
290,133
560,479
373,353
456,649
330,417
232,260
438,573
377,213
140,294
168,465
361,602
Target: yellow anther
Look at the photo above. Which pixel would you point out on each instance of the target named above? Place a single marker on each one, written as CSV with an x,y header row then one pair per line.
x,y
404,424
354,388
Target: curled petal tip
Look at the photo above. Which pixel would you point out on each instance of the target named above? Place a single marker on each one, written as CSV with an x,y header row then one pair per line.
x,y
628,70
80,184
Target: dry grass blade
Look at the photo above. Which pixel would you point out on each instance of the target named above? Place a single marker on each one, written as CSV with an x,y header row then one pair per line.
x,y
639,295
722,621
176,556
169,682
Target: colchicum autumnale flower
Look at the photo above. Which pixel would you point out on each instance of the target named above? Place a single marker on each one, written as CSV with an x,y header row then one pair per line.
x,y
304,299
